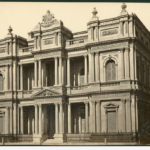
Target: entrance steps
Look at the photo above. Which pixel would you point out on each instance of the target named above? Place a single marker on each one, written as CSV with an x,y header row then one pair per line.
x,y
52,141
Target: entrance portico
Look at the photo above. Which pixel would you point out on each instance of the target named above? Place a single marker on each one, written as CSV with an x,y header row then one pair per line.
x,y
45,119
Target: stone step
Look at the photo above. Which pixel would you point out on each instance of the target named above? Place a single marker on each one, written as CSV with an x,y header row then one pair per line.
x,y
52,141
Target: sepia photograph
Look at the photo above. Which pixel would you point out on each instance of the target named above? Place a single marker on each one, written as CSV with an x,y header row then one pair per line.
x,y
74,73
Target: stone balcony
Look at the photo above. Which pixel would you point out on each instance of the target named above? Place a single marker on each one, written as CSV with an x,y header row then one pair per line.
x,y
76,42
25,51
103,86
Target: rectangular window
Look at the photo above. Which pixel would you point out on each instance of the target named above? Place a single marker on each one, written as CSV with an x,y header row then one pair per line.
x,y
111,116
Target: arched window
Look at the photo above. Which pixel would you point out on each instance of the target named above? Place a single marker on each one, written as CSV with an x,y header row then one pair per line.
x,y
110,71
1,82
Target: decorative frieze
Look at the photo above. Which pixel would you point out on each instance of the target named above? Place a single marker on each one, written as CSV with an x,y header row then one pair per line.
x,y
48,41
109,32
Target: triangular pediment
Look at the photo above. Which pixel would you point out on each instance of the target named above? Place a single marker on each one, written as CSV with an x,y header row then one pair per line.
x,y
110,105
46,92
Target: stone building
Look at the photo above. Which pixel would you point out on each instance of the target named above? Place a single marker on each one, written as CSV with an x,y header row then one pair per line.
x,y
58,83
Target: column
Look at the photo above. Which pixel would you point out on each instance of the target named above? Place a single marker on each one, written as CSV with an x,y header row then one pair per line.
x,y
56,70
92,33
68,71
7,48
29,78
21,77
87,117
14,76
29,121
33,124
22,131
85,69
6,79
56,118
121,27
122,64
69,118
40,77
36,118
123,115
132,62
35,72
10,75
61,118
7,120
39,42
98,116
80,125
137,116
11,120
135,65
97,67
126,63
92,67
128,115
133,113
35,43
93,116
40,119
60,71
14,119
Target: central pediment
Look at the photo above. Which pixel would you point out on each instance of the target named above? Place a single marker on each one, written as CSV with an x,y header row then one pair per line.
x,y
48,20
46,92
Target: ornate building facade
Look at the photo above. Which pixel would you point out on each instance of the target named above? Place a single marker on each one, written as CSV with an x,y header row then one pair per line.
x,y
57,83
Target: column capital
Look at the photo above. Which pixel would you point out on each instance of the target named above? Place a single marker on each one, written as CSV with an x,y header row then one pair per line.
x,y
69,104
85,55
128,99
7,107
56,103
93,102
92,53
40,105
35,105
35,60
97,101
61,103
86,102
97,53
123,100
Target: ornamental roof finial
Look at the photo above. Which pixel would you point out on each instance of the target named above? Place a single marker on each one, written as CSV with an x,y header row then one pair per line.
x,y
94,12
123,11
48,11
10,30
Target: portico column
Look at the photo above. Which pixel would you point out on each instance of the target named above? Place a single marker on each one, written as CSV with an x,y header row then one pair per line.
x,y
122,64
7,120
87,117
126,63
14,119
11,119
14,76
98,116
61,118
56,70
69,118
10,75
22,131
35,72
40,119
56,118
97,67
29,121
21,77
128,114
92,67
93,116
68,71
40,74
85,68
36,118
6,79
123,115
60,71
80,125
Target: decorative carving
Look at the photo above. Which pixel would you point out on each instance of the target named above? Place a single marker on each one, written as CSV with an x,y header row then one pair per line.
x,y
109,32
47,41
2,50
48,20
46,92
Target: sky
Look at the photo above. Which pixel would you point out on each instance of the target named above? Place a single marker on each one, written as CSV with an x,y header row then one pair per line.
x,y
24,16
